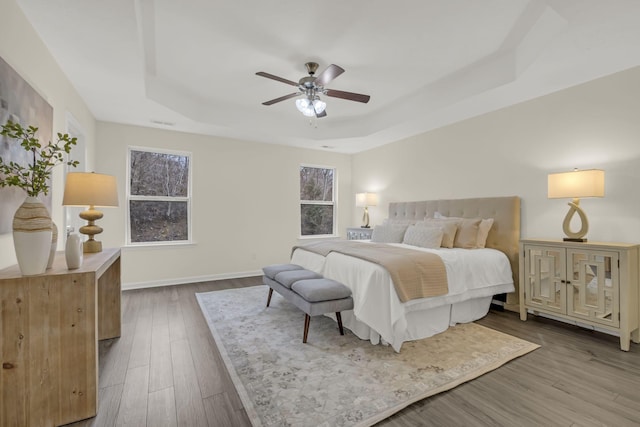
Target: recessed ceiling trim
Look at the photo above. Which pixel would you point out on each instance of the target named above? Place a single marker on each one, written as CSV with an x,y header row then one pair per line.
x,y
193,62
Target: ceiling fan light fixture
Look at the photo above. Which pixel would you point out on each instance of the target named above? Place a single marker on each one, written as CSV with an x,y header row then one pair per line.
x,y
308,112
302,104
319,105
307,107
310,86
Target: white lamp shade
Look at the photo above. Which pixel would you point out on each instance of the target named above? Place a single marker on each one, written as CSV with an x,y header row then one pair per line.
x,y
90,189
576,184
366,199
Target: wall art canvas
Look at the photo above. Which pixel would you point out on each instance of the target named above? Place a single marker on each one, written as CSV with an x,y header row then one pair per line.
x,y
20,103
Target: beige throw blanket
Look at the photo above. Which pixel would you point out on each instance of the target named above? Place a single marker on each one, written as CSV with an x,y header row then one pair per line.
x,y
415,274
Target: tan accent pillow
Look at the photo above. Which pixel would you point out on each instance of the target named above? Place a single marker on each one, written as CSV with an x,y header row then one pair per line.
x,y
483,228
449,228
483,232
467,235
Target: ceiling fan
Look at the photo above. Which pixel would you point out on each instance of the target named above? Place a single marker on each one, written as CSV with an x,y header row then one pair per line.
x,y
312,87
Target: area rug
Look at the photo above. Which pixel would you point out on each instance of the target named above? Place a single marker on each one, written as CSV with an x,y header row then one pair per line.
x,y
336,380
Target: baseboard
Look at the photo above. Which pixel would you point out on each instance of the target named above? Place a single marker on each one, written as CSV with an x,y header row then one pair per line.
x,y
185,280
512,307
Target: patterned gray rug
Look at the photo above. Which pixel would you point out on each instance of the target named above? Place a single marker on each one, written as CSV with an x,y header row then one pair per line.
x,y
337,380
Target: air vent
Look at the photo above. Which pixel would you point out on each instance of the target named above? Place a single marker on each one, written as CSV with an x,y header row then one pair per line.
x,y
162,122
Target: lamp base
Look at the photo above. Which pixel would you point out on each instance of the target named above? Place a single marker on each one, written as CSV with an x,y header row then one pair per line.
x,y
91,229
365,218
570,239
91,246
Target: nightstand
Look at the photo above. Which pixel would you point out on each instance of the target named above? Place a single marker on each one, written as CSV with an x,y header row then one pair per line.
x,y
359,233
593,284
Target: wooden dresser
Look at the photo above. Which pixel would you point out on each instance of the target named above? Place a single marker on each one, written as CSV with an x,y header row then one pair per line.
x,y
50,325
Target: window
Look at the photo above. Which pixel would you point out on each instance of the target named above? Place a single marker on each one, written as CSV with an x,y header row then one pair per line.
x,y
159,196
317,201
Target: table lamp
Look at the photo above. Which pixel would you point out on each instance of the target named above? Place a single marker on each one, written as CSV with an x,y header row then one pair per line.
x,y
90,189
364,200
575,185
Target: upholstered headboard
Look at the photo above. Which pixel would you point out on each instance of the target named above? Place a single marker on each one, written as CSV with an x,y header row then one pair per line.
x,y
504,235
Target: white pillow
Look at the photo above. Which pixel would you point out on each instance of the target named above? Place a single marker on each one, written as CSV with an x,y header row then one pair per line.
x,y
388,233
423,236
449,228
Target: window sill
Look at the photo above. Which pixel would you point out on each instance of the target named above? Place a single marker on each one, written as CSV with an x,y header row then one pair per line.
x,y
323,236
159,245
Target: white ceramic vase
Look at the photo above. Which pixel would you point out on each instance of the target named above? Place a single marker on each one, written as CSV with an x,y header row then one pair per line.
x,y
73,251
54,244
32,236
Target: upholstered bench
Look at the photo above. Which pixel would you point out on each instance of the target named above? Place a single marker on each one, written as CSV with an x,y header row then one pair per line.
x,y
308,291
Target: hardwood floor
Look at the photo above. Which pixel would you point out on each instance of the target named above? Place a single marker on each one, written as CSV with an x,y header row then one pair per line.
x,y
165,370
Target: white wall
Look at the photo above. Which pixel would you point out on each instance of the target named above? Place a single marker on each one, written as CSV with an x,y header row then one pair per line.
x,y
245,204
23,50
245,212
511,152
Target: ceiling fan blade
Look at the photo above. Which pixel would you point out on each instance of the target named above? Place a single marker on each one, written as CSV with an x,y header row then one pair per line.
x,y
321,115
348,95
282,98
280,79
330,73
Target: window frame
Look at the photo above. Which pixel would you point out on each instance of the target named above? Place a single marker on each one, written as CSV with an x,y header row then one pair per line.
x,y
130,197
333,203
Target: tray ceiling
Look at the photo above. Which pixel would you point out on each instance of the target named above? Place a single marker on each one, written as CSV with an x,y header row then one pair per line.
x,y
190,65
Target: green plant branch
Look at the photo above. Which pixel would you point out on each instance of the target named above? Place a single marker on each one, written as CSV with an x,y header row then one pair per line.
x,y
34,177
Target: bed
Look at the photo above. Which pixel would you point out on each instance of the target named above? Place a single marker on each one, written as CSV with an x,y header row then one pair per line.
x,y
380,316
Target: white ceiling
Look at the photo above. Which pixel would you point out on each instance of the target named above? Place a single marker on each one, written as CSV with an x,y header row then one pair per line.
x,y
190,65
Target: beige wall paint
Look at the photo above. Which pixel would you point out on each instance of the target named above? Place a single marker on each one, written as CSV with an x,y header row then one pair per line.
x,y
21,48
511,152
245,204
245,211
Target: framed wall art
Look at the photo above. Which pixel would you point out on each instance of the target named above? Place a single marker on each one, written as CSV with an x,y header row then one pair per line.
x,y
20,103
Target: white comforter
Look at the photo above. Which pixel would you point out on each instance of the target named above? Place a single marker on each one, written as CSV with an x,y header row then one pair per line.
x,y
378,313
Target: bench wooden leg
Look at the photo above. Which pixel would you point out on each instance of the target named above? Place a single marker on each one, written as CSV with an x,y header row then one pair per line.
x,y
307,319
339,317
269,297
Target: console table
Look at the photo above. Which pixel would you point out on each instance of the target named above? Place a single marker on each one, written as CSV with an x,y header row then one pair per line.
x,y
50,325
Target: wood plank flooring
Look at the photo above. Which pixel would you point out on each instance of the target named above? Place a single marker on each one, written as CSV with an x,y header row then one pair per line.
x,y
165,370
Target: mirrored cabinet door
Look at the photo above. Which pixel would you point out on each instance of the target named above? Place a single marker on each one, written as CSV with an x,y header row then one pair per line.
x,y
545,284
593,286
